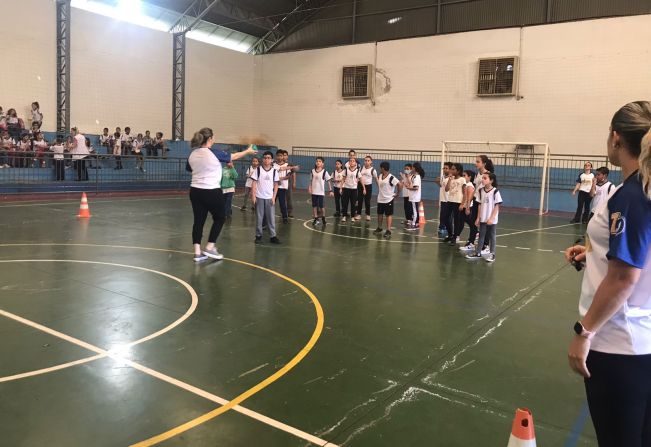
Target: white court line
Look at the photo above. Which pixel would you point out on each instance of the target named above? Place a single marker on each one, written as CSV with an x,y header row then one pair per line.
x,y
171,380
169,327
306,225
536,229
523,248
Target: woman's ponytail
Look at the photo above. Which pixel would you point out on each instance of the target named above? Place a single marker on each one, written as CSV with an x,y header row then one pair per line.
x,y
201,137
645,164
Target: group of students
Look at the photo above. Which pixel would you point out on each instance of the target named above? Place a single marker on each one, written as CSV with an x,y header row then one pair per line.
x,y
593,189
466,197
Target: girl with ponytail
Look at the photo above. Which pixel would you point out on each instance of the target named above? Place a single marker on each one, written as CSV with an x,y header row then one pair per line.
x,y
206,195
612,345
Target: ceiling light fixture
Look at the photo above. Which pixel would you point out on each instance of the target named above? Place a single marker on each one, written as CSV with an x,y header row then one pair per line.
x,y
394,20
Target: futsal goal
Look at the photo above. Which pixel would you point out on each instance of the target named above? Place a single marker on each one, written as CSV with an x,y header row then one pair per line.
x,y
520,166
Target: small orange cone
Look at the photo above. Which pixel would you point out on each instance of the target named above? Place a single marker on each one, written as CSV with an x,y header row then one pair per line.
x,y
84,211
522,434
421,214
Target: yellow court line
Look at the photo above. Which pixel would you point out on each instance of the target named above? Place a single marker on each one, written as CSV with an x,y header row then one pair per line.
x,y
234,403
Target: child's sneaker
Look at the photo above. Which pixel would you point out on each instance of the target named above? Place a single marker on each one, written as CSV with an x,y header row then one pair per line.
x,y
378,230
357,217
412,227
490,258
473,256
486,251
467,247
343,219
368,218
212,253
274,240
199,258
315,222
258,240
387,234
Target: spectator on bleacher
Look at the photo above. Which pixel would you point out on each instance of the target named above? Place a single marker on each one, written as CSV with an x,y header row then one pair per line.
x,y
160,149
79,154
37,116
127,141
138,145
148,145
15,125
7,145
21,156
105,141
68,150
117,150
59,161
3,119
39,147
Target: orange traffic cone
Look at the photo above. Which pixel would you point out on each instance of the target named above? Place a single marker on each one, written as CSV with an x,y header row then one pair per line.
x,y
421,214
84,211
522,434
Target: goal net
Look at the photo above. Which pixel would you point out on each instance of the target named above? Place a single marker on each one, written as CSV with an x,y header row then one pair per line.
x,y
521,166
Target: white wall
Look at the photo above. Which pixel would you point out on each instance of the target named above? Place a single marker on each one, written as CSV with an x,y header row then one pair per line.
x,y
28,67
574,76
219,92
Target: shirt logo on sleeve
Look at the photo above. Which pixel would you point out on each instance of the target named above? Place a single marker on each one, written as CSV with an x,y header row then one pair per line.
x,y
617,224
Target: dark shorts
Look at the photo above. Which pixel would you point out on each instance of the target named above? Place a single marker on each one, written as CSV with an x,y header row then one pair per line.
x,y
385,209
317,201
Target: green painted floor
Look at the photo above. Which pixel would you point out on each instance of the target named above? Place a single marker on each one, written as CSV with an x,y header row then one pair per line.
x,y
420,347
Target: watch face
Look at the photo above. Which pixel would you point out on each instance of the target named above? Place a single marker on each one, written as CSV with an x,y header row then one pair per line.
x,y
578,328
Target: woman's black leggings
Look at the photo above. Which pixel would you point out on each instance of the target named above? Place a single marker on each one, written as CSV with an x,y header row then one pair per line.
x,y
348,196
337,200
583,204
470,220
619,397
206,201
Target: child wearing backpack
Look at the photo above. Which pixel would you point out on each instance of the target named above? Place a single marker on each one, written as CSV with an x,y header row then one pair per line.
x,y
387,184
318,177
600,189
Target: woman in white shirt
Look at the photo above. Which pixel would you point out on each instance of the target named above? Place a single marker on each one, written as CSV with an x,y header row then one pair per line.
x,y
583,186
79,153
205,190
611,347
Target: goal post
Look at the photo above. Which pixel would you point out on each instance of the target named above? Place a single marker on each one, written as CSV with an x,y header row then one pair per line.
x,y
522,166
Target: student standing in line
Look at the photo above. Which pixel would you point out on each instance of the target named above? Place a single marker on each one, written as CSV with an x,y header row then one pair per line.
x,y
206,194
454,189
318,178
365,189
483,165
443,198
59,162
490,201
600,188
387,184
229,175
264,192
415,193
338,176
583,186
352,155
352,179
255,162
117,150
405,175
469,209
138,145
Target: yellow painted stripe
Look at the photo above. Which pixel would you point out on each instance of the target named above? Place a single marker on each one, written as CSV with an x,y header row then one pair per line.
x,y
260,386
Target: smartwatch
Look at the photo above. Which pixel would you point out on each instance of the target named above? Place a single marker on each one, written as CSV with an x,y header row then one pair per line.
x,y
582,331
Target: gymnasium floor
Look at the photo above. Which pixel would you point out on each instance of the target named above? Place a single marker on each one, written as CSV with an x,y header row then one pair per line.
x,y
414,345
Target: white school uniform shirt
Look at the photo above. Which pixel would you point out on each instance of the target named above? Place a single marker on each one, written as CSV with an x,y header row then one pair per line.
x,y
265,181
117,147
338,177
415,195
58,151
471,185
37,116
478,185
249,180
368,174
42,144
487,201
351,178
455,194
283,184
206,167
602,192
386,188
7,142
317,180
586,181
443,194
620,230
81,151
137,145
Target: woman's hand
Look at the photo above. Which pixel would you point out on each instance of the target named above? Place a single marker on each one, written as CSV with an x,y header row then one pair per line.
x,y
489,221
574,192
577,355
575,253
467,211
477,222
461,207
250,150
332,194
